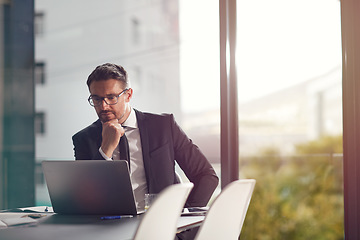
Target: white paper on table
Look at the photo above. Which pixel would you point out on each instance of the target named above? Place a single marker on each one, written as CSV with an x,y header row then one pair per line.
x,y
18,218
17,221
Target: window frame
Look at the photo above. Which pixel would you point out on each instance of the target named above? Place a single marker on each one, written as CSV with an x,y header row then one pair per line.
x,y
350,21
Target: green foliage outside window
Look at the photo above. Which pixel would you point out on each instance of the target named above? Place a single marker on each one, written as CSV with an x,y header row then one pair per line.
x,y
296,197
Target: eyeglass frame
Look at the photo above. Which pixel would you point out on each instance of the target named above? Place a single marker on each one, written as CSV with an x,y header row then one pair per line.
x,y
90,100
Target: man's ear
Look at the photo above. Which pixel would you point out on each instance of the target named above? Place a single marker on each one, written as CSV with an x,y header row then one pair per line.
x,y
128,94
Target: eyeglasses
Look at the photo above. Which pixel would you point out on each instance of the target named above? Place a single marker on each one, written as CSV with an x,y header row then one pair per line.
x,y
110,100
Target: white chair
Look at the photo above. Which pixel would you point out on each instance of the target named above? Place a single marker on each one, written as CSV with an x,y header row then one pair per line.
x,y
225,217
160,220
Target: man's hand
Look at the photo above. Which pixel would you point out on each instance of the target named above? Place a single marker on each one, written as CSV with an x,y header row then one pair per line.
x,y
111,134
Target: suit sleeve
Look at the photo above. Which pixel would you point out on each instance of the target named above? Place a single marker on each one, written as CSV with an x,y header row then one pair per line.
x,y
196,167
86,144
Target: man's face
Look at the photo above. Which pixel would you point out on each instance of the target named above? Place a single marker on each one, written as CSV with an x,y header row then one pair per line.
x,y
110,88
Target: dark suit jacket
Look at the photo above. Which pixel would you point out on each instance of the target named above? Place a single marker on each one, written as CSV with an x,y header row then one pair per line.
x,y
163,142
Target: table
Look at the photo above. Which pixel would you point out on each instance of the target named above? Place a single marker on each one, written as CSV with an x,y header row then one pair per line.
x,y
79,227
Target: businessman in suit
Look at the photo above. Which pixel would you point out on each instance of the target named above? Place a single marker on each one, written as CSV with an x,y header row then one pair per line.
x,y
154,141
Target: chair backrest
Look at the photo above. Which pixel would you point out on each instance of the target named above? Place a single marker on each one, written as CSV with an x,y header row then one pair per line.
x,y
226,214
160,220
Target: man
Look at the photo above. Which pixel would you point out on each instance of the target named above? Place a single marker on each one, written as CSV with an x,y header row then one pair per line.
x,y
155,141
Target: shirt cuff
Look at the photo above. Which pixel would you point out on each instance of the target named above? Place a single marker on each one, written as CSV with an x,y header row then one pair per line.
x,y
104,155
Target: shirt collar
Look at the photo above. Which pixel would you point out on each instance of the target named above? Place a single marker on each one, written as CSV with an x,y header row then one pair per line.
x,y
131,121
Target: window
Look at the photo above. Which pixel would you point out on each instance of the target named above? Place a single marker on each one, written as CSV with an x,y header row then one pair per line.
x,y
136,78
135,24
39,24
40,123
290,117
40,73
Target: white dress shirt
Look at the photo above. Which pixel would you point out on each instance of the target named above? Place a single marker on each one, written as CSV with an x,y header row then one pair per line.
x,y
137,170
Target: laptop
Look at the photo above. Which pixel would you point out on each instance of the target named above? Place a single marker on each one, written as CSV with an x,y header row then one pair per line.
x,y
95,187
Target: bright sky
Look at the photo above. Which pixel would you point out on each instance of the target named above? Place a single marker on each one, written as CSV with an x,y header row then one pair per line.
x,y
280,43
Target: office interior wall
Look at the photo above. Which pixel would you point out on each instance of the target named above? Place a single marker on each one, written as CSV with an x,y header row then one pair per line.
x,y
1,102
18,105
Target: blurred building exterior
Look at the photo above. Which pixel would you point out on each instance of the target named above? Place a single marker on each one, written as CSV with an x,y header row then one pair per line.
x,y
279,120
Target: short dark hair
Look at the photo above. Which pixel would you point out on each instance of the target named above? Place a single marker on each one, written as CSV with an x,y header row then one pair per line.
x,y
108,71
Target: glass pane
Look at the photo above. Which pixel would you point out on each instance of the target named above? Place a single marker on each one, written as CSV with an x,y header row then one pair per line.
x,y
170,53
200,76
290,117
